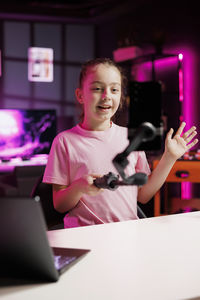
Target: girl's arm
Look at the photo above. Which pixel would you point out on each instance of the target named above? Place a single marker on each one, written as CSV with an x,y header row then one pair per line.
x,y
174,148
67,197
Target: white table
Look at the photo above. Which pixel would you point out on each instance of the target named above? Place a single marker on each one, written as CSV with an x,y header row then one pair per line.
x,y
151,259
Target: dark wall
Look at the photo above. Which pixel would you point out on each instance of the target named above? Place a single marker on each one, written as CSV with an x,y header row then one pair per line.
x,y
167,26
149,24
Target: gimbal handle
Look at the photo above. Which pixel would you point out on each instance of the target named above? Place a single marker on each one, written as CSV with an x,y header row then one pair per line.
x,y
111,181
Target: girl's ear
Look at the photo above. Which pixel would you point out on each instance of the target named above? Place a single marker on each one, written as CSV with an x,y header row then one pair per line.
x,y
79,96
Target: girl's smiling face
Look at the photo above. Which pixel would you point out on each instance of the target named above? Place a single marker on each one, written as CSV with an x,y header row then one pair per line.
x,y
100,95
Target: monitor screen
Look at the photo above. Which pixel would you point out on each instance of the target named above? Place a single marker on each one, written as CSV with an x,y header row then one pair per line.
x,y
26,132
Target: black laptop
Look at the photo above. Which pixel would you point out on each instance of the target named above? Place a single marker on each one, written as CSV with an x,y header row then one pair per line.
x,y
25,253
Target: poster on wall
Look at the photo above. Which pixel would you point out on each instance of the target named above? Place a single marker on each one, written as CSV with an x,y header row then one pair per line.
x,y
40,64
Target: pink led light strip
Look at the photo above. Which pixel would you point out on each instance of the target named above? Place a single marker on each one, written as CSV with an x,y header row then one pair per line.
x,y
186,187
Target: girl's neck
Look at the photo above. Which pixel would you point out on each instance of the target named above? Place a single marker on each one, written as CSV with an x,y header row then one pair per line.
x,y
97,127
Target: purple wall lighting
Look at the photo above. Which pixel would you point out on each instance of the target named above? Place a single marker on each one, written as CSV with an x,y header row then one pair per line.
x,y
180,76
185,60
187,96
161,66
189,82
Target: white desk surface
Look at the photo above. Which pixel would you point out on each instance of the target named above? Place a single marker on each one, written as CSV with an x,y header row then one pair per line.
x,y
151,259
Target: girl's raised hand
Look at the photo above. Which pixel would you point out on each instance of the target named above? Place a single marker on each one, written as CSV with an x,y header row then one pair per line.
x,y
179,144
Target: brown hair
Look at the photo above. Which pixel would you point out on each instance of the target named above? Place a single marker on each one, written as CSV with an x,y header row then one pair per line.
x,y
106,61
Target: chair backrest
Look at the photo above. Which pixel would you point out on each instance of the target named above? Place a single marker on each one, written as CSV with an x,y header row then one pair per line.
x,y
54,219
140,213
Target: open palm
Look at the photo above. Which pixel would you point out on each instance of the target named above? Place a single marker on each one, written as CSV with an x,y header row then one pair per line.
x,y
179,144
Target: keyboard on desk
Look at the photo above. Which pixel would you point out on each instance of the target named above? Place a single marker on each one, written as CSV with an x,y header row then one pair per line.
x,y
8,164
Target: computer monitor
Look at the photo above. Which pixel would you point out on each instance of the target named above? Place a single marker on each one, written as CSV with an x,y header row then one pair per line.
x,y
26,132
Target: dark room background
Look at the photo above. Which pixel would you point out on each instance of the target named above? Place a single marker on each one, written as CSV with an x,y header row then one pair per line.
x,y
78,31
81,30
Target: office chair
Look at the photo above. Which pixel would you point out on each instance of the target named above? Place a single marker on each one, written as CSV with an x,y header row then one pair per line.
x,y
140,213
20,180
54,219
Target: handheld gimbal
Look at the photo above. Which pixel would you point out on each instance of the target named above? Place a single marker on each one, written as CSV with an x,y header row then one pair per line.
x,y
145,132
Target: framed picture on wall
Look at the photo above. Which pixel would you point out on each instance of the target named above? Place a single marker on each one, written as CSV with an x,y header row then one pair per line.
x,y
40,64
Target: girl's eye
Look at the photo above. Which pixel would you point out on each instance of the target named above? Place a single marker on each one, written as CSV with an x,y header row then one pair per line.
x,y
115,90
96,89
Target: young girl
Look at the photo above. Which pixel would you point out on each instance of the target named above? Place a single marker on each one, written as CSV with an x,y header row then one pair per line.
x,y
85,152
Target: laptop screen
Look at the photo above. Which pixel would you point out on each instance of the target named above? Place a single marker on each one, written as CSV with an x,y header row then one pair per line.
x,y
25,253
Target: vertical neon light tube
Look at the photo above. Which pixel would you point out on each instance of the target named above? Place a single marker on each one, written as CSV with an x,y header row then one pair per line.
x,y
186,187
180,75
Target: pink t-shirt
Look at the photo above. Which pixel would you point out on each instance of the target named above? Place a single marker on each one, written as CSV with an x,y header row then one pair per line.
x,y
77,152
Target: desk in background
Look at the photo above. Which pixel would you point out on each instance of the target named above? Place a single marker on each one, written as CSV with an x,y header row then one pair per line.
x,y
8,166
17,176
182,171
153,258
